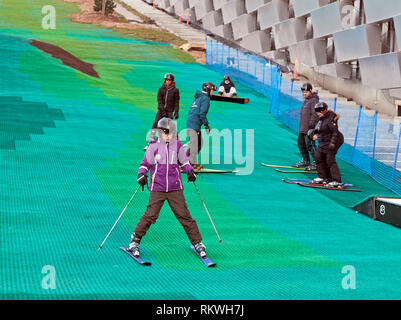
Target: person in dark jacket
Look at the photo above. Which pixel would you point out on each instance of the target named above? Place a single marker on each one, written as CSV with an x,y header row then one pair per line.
x,y
330,140
307,121
227,88
168,100
163,160
196,118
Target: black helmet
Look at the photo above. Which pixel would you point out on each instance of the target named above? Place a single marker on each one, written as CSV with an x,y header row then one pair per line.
x,y
207,86
169,76
166,125
227,77
321,106
306,87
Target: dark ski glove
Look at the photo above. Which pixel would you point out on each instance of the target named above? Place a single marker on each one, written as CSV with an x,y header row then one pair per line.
x,y
207,128
142,180
191,176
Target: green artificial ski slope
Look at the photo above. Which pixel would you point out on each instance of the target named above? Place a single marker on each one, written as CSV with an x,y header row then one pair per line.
x,y
70,148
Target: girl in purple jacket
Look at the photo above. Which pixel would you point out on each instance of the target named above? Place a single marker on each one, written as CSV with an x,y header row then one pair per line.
x,y
163,160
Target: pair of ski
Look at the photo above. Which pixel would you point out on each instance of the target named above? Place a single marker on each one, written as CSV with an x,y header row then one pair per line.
x,y
208,263
293,169
311,184
205,170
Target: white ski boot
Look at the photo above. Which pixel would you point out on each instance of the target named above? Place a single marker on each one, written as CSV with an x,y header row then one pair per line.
x,y
134,245
200,249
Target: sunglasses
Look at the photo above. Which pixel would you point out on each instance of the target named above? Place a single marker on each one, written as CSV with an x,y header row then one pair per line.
x,y
165,131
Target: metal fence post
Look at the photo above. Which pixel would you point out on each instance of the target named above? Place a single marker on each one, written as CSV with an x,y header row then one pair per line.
x,y
290,105
335,104
374,146
356,135
395,161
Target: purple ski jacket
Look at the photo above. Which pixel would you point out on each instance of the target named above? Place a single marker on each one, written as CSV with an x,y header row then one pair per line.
x,y
163,162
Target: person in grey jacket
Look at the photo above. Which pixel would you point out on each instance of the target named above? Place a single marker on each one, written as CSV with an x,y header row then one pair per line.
x,y
307,120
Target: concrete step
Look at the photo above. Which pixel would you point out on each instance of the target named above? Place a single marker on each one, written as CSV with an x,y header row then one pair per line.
x,y
167,22
127,14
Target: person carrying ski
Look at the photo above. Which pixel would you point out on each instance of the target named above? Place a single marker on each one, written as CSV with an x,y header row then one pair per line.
x,y
330,140
307,121
168,100
196,118
162,160
227,88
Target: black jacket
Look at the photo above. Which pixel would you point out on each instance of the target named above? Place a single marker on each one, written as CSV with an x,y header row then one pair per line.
x,y
227,86
308,117
168,100
330,138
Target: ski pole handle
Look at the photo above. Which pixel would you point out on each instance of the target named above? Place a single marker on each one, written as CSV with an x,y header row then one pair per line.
x,y
100,247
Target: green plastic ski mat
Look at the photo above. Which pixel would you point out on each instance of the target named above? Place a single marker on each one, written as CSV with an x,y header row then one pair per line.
x,y
70,149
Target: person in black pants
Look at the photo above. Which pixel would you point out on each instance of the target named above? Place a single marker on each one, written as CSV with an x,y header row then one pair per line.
x,y
330,140
168,100
307,121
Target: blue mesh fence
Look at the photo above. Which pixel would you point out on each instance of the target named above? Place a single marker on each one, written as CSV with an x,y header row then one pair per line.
x,y
371,144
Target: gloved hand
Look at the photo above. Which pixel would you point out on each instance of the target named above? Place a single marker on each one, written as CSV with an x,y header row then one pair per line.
x,y
191,176
311,132
176,115
207,128
142,180
332,146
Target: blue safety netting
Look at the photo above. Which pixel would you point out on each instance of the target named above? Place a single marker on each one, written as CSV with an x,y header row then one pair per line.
x,y
371,143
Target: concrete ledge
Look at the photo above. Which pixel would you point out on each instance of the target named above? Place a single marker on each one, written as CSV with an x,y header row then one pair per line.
x,y
310,52
253,5
224,31
212,19
258,41
304,7
272,13
361,41
202,8
381,71
289,32
243,25
326,20
232,9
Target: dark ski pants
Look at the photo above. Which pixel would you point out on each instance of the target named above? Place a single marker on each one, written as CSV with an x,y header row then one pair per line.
x,y
306,146
159,116
177,203
154,126
195,144
326,165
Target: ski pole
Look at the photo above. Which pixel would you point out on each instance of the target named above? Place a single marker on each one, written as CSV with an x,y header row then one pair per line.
x,y
207,211
100,247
